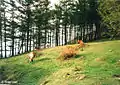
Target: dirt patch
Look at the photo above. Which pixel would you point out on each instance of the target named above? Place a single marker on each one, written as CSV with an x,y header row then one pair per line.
x,y
118,63
99,59
81,77
65,75
116,76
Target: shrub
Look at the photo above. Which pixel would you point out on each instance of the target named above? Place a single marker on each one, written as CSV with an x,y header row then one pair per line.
x,y
67,53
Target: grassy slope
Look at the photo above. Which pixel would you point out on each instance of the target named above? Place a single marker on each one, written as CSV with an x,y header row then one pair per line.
x,y
98,62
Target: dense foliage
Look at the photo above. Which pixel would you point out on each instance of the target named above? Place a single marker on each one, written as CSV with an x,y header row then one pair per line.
x,y
110,13
26,24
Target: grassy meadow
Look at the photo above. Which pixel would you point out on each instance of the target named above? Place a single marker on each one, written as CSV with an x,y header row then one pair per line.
x,y
96,65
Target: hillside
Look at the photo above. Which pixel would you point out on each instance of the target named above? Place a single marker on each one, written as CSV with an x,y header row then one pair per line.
x,y
98,64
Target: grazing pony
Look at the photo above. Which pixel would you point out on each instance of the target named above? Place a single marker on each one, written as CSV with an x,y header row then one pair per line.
x,y
32,54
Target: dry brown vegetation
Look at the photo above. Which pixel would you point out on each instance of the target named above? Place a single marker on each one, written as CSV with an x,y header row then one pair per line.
x,y
68,52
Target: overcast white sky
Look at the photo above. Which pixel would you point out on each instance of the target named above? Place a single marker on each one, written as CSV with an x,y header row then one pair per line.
x,y
54,2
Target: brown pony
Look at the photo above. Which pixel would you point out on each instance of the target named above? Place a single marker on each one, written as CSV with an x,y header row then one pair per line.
x,y
32,54
81,44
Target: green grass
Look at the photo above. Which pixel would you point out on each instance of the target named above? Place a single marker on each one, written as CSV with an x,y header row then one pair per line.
x,y
98,62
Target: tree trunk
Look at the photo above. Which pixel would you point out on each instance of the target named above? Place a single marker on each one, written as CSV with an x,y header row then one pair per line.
x,y
1,36
27,38
84,27
50,37
39,37
5,33
62,36
98,30
91,30
33,38
56,37
87,37
25,43
30,43
78,33
81,37
70,33
12,33
65,34
13,45
28,27
45,37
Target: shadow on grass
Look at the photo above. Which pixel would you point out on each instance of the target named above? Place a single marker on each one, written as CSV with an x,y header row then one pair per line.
x,y
43,59
78,56
39,54
83,55
23,73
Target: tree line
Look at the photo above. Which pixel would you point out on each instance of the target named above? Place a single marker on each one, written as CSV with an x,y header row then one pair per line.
x,y
26,24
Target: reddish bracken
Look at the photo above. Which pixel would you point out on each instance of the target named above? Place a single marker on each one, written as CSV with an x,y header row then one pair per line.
x,y
67,53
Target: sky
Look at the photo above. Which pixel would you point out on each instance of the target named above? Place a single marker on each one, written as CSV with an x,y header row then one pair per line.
x,y
54,2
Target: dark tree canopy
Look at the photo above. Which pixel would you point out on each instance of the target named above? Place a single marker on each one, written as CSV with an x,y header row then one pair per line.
x,y
26,24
